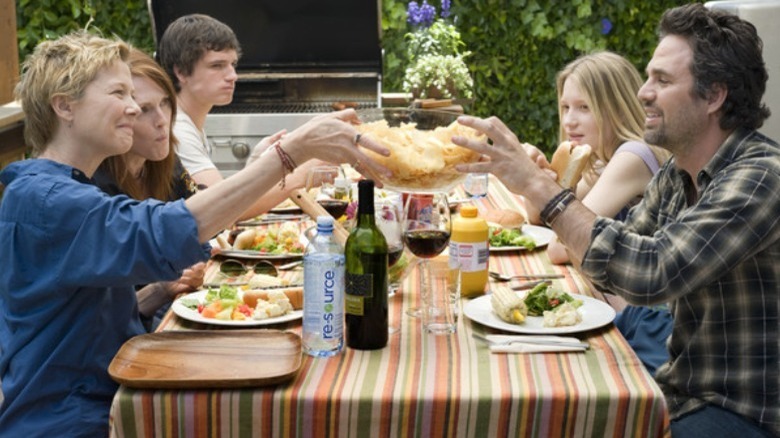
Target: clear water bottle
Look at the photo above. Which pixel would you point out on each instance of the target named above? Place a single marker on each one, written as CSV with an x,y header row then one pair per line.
x,y
323,293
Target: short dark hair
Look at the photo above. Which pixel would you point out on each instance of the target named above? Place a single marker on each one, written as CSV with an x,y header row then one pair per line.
x,y
727,51
188,38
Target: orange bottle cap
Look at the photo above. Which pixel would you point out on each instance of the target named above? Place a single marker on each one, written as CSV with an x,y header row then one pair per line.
x,y
468,211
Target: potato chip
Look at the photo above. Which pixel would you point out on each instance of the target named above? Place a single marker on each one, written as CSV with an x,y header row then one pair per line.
x,y
421,159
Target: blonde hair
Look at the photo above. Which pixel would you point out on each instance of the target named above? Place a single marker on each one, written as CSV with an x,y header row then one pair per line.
x,y
61,67
610,84
157,181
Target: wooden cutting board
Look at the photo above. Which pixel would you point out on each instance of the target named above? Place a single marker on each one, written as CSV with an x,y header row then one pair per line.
x,y
207,359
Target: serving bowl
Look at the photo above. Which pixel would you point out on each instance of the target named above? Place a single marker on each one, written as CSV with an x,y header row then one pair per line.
x,y
422,155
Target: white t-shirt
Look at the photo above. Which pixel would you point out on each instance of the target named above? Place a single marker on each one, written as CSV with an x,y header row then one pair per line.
x,y
194,149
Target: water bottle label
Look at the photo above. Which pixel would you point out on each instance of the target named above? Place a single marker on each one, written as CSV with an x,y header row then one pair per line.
x,y
471,257
323,313
358,287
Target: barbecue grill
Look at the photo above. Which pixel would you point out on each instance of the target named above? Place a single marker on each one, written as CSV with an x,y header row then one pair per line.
x,y
299,58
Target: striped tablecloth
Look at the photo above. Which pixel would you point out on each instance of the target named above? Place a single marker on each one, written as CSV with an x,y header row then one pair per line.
x,y
423,385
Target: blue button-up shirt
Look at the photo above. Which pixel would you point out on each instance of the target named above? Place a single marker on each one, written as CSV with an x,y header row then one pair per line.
x,y
69,258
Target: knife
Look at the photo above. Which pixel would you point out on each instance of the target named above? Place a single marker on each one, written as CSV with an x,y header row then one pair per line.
x,y
529,285
563,341
534,348
245,283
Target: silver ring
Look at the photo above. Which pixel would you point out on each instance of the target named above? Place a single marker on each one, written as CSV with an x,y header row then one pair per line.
x,y
357,139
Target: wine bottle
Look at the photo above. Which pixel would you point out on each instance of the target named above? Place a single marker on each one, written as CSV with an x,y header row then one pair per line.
x,y
366,277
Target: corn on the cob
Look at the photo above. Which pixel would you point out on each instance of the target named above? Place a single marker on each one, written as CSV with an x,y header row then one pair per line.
x,y
508,306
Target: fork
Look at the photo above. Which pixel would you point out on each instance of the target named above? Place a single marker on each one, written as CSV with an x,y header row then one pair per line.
x,y
504,277
531,339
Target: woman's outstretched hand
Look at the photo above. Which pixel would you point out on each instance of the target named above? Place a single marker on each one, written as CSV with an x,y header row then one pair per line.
x,y
333,138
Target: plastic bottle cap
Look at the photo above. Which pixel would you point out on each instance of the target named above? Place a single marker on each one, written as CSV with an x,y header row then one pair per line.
x,y
324,223
468,211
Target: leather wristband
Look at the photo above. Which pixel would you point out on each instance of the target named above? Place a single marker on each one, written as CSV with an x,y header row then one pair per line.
x,y
556,206
288,165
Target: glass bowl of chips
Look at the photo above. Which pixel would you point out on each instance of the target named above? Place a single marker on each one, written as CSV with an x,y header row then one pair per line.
x,y
422,155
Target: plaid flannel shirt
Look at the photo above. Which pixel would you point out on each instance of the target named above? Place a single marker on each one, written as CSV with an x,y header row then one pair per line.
x,y
714,256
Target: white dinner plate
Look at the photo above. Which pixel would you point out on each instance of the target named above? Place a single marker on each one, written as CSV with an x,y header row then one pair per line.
x,y
286,210
193,315
257,255
541,235
595,314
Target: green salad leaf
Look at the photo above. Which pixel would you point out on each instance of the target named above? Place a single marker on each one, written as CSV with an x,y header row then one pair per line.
x,y
190,303
510,237
542,297
225,293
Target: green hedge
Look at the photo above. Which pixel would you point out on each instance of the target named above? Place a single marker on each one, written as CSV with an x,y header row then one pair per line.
x,y
518,45
38,20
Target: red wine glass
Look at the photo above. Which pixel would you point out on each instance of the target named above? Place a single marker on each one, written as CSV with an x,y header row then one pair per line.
x,y
427,229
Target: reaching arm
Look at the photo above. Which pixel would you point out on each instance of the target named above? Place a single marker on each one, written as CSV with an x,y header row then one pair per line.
x,y
624,178
328,137
507,159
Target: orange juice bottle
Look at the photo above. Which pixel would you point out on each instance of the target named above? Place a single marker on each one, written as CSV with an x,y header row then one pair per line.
x,y
469,250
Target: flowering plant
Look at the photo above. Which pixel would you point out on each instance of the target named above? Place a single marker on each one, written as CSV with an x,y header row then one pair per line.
x,y
437,67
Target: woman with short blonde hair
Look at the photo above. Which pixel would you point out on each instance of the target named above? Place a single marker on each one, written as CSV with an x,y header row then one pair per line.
x,y
73,254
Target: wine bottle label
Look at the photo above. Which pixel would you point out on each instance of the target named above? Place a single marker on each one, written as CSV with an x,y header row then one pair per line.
x,y
358,288
471,257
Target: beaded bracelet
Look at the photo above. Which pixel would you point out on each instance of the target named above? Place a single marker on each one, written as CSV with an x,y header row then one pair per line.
x,y
556,206
288,165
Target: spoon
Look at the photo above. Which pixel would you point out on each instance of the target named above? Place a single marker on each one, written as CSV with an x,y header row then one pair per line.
x,y
503,277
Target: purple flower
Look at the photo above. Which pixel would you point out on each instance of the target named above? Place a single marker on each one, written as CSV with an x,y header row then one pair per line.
x,y
606,26
413,13
427,14
445,8
420,15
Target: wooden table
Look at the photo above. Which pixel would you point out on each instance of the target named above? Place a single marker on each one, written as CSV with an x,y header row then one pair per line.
x,y
424,385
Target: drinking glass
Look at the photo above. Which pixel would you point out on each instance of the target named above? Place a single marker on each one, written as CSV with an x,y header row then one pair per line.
x,y
441,303
427,228
389,220
476,185
324,178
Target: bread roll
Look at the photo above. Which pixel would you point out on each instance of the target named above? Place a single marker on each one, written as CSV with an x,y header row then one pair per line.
x,y
506,218
569,161
245,240
294,294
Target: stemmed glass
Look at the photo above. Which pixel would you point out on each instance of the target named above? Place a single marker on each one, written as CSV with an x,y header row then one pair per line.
x,y
325,178
427,229
389,220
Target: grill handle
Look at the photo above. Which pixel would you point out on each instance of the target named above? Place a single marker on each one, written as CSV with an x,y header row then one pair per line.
x,y
309,206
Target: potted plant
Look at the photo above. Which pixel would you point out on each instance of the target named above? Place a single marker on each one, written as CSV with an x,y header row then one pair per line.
x,y
437,67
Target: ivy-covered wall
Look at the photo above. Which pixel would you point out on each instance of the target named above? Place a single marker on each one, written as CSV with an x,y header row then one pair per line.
x,y
518,45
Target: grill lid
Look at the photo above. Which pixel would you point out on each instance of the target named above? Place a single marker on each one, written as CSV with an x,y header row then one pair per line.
x,y
290,35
